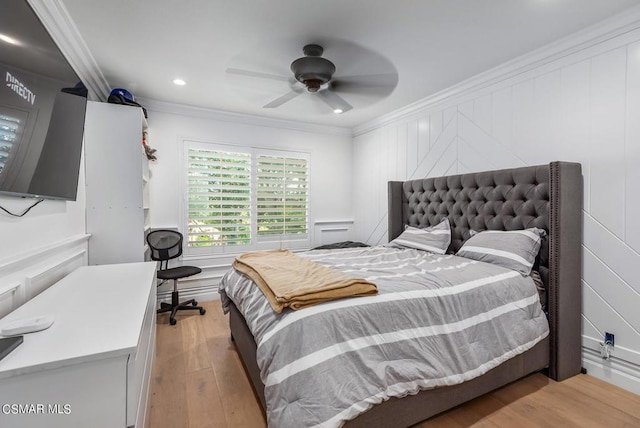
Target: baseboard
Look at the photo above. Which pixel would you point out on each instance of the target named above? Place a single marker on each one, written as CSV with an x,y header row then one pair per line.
x,y
201,294
614,370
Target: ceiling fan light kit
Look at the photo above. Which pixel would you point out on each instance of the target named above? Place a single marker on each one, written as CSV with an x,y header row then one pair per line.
x,y
312,70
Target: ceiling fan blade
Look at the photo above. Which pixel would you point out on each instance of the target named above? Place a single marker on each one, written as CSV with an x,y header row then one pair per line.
x,y
335,101
373,84
281,100
257,74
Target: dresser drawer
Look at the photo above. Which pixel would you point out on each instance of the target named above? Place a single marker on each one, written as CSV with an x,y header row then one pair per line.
x,y
140,365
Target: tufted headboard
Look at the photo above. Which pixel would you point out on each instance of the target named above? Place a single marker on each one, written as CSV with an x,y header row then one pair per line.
x,y
545,196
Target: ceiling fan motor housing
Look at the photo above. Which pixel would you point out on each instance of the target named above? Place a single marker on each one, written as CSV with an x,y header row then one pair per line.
x,y
312,70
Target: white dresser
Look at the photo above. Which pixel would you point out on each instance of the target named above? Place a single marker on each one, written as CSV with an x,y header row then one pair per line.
x,y
92,367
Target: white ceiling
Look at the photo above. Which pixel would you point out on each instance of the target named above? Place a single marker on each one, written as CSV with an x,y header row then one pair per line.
x,y
143,45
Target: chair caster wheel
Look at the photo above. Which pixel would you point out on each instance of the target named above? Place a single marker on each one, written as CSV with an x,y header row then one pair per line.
x,y
202,311
172,321
194,303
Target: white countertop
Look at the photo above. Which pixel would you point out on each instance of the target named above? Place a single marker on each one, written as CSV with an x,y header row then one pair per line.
x,y
98,313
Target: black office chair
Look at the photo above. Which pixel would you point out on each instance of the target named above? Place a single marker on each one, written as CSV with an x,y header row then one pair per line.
x,y
166,245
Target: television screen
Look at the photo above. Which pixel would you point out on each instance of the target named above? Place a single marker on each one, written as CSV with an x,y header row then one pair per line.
x,y
42,110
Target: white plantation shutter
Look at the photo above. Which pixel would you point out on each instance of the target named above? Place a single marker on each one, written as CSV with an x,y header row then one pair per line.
x,y
218,197
282,195
248,197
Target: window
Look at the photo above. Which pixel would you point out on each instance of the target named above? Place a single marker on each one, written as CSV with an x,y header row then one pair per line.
x,y
282,195
254,198
219,201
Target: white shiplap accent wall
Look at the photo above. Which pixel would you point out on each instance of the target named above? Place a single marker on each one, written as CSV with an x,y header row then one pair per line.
x,y
583,106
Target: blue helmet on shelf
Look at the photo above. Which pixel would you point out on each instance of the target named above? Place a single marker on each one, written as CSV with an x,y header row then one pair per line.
x,y
122,96
124,93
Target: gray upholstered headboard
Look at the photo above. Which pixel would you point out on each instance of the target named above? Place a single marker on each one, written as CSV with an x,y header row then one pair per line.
x,y
545,196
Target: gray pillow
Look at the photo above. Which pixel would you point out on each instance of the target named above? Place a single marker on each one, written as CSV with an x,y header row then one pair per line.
x,y
435,239
513,249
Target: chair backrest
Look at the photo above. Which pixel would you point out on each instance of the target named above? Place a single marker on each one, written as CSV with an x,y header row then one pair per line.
x,y
164,245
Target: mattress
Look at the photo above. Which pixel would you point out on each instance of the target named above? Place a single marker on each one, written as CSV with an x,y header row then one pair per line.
x,y
438,320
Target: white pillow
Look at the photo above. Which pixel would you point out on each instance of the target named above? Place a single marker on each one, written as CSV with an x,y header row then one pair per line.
x,y
435,239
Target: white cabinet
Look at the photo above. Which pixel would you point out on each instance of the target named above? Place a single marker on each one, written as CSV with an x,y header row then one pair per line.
x,y
92,367
117,181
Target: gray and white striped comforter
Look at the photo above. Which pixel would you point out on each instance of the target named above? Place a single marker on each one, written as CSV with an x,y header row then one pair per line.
x,y
437,320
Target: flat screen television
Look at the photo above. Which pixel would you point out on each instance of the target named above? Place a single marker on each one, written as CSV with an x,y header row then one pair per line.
x,y
42,110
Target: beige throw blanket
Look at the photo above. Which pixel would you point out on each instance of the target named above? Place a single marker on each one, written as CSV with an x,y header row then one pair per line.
x,y
288,280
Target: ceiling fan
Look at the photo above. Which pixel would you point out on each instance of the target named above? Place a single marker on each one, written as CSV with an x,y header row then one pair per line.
x,y
314,74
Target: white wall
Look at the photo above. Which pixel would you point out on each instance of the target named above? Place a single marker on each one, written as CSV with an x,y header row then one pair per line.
x,y
330,172
40,248
570,102
49,222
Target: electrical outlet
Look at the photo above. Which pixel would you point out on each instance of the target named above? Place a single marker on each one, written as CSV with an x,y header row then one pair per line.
x,y
609,339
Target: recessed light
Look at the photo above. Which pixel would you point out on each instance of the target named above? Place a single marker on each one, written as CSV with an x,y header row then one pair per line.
x,y
179,82
338,111
8,39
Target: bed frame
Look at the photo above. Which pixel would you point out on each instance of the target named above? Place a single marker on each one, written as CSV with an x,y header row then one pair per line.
x,y
546,196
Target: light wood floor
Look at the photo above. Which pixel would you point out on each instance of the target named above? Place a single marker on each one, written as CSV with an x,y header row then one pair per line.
x,y
199,382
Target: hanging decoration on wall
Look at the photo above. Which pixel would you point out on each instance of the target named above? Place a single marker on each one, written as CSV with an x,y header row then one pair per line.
x,y
147,149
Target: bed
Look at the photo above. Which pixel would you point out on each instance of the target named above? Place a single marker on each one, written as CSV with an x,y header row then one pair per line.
x,y
547,197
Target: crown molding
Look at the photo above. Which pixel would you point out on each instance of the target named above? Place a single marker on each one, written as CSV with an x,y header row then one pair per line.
x,y
594,35
247,119
65,34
